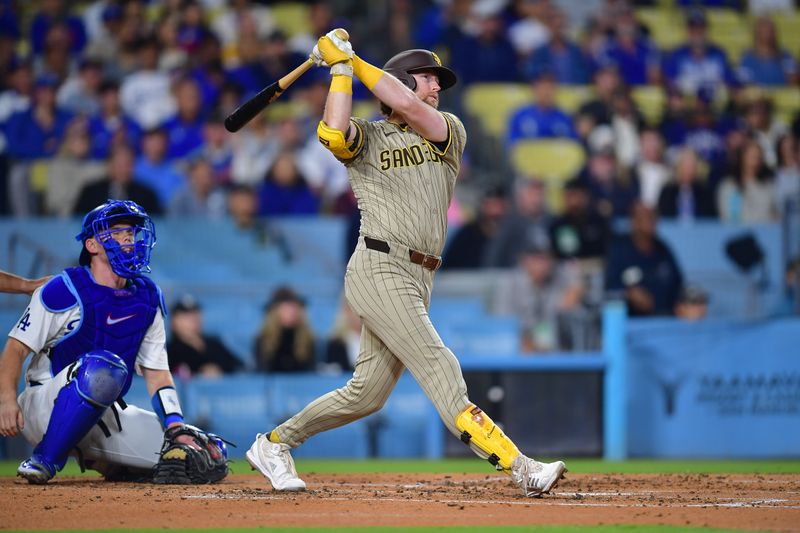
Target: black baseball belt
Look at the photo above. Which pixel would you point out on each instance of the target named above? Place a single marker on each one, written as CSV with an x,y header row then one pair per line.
x,y
431,262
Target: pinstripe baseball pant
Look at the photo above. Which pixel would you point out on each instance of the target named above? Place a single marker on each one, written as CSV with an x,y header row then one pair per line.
x,y
392,296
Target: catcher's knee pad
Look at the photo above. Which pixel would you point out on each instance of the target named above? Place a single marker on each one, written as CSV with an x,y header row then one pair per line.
x,y
100,377
480,431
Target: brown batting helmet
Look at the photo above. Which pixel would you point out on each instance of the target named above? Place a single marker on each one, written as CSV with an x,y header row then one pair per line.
x,y
406,63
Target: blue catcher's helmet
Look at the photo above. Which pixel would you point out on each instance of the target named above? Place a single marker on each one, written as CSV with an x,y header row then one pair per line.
x,y
126,261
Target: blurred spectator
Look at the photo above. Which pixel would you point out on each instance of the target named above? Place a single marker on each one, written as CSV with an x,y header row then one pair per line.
x,y
33,134
110,126
642,269
541,293
580,232
154,170
70,171
199,197
54,13
216,148
469,245
758,118
692,304
789,304
560,55
285,342
243,206
242,17
80,93
255,148
787,176
208,71
688,197
702,132
16,95
487,55
172,55
524,225
600,108
111,38
192,29
185,129
284,191
626,122
193,353
344,344
766,63
263,62
541,119
145,94
530,30
749,194
320,21
698,64
119,184
612,192
651,172
636,57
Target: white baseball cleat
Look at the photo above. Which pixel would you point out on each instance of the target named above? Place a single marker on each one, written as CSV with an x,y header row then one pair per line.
x,y
535,478
275,462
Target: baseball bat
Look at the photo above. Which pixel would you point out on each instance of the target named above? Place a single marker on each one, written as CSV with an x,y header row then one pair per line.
x,y
245,112
248,110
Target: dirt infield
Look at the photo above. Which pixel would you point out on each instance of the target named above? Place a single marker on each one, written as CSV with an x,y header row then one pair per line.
x,y
766,502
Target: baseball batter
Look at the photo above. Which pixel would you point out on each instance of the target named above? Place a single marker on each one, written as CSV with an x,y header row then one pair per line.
x,y
403,170
89,328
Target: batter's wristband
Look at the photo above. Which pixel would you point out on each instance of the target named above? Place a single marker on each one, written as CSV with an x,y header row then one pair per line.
x,y
368,74
342,84
166,406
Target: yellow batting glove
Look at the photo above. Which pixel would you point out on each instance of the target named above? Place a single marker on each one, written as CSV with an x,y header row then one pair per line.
x,y
334,52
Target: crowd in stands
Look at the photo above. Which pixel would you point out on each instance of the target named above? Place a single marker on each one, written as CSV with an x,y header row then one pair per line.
x,y
126,99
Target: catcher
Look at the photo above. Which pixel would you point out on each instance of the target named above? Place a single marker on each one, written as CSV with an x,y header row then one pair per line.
x,y
89,328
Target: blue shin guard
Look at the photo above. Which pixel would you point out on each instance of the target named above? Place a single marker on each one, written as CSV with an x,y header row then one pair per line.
x,y
98,381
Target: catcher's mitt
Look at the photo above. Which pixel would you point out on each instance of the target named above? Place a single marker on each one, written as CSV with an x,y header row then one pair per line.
x,y
190,456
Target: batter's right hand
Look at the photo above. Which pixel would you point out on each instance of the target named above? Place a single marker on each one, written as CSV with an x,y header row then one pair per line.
x,y
11,419
334,50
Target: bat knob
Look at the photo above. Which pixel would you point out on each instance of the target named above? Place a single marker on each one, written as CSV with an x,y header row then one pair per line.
x,y
342,34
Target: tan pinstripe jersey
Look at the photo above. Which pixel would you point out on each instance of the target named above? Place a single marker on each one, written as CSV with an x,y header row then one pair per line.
x,y
403,183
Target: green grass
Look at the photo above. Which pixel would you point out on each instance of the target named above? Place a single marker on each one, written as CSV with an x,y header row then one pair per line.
x,y
443,529
475,466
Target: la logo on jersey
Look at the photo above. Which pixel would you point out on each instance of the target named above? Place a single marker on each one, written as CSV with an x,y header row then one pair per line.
x,y
111,321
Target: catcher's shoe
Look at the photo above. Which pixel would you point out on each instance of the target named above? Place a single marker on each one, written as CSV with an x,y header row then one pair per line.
x,y
275,462
36,470
535,478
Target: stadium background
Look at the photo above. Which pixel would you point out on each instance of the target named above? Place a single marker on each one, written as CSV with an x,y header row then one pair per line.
x,y
231,231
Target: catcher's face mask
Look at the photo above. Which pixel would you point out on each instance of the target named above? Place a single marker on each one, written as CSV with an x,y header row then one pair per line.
x,y
126,233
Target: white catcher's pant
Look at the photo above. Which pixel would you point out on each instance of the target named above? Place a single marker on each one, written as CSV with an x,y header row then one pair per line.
x,y
136,444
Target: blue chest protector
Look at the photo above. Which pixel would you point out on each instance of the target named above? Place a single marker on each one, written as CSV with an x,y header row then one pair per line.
x,y
111,319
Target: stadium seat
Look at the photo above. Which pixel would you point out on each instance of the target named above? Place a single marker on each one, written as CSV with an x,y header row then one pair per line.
x,y
569,98
788,28
650,100
786,101
730,31
291,17
489,337
667,27
493,103
554,160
